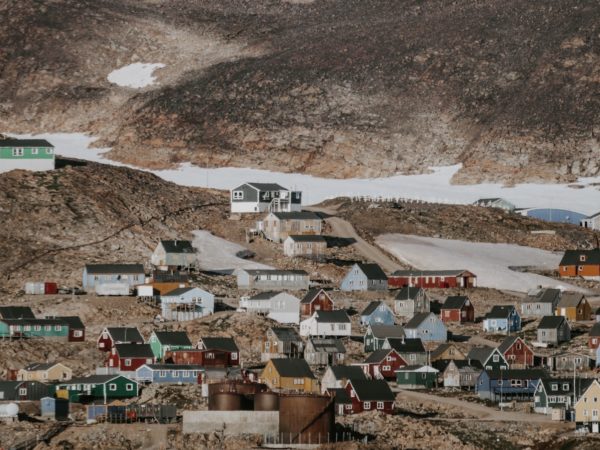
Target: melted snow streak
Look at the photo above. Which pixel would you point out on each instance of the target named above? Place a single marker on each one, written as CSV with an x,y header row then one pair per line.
x,y
431,187
490,262
137,75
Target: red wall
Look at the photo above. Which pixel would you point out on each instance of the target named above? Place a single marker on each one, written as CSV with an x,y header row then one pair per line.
x,y
434,282
396,363
120,362
322,301
72,337
523,356
456,315
594,342
199,357
357,406
107,344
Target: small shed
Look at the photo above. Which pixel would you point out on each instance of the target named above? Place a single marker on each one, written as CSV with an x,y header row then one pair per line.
x,y
416,377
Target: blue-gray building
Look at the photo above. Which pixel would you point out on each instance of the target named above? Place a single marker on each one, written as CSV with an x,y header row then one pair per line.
x,y
502,319
116,274
508,385
377,313
365,277
168,373
426,326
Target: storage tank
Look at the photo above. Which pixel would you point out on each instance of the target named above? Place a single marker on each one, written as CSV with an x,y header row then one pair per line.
x,y
306,418
9,410
225,401
240,387
266,401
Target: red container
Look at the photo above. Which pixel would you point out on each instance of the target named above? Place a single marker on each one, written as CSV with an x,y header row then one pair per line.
x,y
50,288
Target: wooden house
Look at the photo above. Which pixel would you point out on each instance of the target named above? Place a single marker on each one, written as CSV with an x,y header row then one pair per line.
x,y
99,387
502,319
382,364
336,377
52,329
376,335
272,279
168,373
569,361
516,352
580,263
289,374
558,393
45,372
540,303
174,254
279,306
426,326
24,390
587,407
459,374
164,282
315,300
416,377
594,336
411,350
324,351
365,277
263,197
410,301
592,222
508,385
224,345
188,303
165,341
433,278
76,328
342,400
369,395
111,275
447,351
128,357
26,154
377,313
305,246
110,336
281,342
553,330
488,358
457,308
574,306
327,323
277,226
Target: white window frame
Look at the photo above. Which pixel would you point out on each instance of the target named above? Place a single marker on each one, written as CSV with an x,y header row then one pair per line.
x,y
22,391
127,362
18,151
112,387
237,195
366,405
129,387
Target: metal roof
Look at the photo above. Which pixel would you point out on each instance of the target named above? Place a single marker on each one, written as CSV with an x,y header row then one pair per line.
x,y
372,271
125,334
500,312
336,316
14,142
292,367
16,312
455,302
297,215
418,368
307,238
226,344
372,390
387,331
573,257
551,322
570,299
114,268
134,350
173,338
177,246
348,373
408,293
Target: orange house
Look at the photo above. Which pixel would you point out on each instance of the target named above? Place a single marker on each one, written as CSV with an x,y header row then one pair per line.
x,y
580,263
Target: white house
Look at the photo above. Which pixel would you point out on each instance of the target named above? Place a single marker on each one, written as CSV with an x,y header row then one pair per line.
x,y
187,303
327,323
592,222
262,197
176,254
279,306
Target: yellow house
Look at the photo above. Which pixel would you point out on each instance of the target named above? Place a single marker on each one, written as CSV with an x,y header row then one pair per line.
x,y
574,306
45,372
587,408
291,374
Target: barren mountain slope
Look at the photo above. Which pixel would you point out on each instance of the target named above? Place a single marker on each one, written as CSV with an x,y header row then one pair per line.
x,y
330,87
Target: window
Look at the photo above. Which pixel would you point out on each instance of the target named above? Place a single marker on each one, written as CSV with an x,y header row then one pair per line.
x,y
112,387
34,151
37,328
412,357
388,358
238,195
384,368
267,345
210,356
582,258
367,405
22,391
580,268
17,152
162,374
49,328
77,333
348,406
57,327
234,356
175,373
129,387
27,328
49,151
496,358
298,381
379,405
185,373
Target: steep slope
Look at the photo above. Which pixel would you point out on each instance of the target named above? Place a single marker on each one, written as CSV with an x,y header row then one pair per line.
x,y
333,87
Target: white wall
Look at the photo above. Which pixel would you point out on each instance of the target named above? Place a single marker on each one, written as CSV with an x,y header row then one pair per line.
x,y
26,164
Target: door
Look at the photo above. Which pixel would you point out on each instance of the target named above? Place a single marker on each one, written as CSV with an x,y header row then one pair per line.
x,y
595,427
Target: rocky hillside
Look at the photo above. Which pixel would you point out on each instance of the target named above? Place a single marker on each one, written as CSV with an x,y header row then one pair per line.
x,y
329,87
55,222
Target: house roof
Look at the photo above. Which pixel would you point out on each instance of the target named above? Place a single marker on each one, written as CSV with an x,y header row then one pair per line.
x,y
508,343
402,345
328,345
174,367
274,272
134,350
481,354
430,273
418,368
14,142
551,322
266,295
441,349
442,365
372,307
378,355
93,379
40,366
500,312
341,395
517,374
125,334
573,257
267,186
387,331
226,344
372,271
8,385
74,322
564,386
546,295
286,334
312,294
173,338
178,291
417,320
296,215
16,312
114,268
570,299
595,331
372,390
335,316
455,302
292,367
408,293
348,373
178,246
307,238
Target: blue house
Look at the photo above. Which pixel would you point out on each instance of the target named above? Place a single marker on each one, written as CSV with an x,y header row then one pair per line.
x,y
365,277
377,313
502,319
426,326
508,385
168,373
555,215
125,274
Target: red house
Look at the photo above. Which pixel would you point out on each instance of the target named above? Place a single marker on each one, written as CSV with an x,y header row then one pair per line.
x,y
457,308
432,278
205,358
118,335
76,328
382,364
128,357
315,300
222,348
517,353
594,336
369,395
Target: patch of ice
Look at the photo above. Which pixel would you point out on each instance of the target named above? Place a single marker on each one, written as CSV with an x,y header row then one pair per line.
x,y
490,262
136,75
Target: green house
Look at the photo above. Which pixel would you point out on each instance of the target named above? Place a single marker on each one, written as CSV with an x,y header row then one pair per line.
x,y
98,387
34,328
376,335
165,341
416,377
26,154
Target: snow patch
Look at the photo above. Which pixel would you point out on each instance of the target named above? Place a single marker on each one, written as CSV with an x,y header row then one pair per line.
x,y
219,255
490,262
136,75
